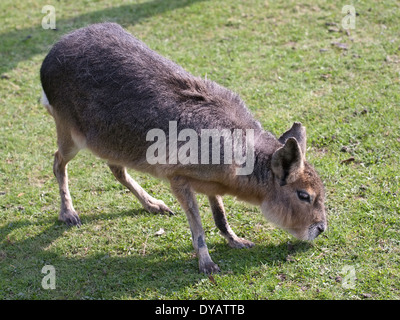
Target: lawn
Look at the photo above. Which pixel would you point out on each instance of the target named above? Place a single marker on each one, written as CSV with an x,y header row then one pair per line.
x,y
289,61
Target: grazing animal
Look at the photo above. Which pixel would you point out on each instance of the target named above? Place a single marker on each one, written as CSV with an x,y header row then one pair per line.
x,y
107,91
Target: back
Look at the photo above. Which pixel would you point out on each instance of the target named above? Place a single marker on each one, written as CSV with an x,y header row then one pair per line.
x,y
112,88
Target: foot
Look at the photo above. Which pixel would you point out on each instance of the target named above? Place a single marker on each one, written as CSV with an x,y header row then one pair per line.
x,y
240,243
70,217
209,267
157,206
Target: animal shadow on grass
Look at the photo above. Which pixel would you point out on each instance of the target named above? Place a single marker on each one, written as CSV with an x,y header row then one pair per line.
x,y
25,43
100,275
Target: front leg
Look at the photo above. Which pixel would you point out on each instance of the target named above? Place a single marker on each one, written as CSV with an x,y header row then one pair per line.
x,y
149,203
186,197
217,208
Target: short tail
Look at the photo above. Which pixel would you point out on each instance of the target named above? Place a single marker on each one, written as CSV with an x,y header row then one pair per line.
x,y
46,103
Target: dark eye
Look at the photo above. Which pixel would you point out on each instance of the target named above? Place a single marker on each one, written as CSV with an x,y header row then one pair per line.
x,y
304,196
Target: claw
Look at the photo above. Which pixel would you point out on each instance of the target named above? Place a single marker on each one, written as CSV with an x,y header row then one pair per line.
x,y
240,243
157,206
70,217
209,268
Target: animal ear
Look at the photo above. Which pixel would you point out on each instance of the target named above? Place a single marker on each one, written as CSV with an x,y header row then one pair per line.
x,y
287,162
297,131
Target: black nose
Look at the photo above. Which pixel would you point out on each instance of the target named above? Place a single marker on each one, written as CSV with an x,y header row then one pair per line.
x,y
321,227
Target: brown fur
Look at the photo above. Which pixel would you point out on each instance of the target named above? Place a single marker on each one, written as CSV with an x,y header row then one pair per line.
x,y
106,90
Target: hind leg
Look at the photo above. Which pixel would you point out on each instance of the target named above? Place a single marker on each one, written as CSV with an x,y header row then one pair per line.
x,y
149,203
67,149
61,159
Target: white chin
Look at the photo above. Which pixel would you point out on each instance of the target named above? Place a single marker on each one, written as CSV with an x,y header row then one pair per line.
x,y
300,235
274,218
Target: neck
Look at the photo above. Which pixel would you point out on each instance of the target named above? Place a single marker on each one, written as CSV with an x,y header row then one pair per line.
x,y
253,187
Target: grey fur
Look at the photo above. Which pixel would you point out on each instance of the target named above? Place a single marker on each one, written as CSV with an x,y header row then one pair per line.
x,y
106,90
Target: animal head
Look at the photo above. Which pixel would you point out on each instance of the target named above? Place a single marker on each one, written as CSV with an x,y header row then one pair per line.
x,y
297,202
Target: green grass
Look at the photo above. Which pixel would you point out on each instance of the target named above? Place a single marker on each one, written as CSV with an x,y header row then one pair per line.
x,y
278,55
